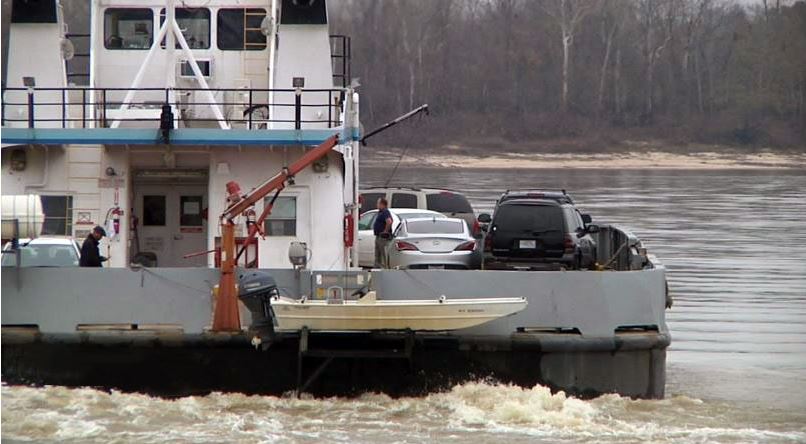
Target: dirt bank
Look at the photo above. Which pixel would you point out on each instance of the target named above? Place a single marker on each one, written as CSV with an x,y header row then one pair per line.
x,y
636,155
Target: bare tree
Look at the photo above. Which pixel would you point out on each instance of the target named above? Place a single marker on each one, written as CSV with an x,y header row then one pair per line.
x,y
567,14
651,13
612,17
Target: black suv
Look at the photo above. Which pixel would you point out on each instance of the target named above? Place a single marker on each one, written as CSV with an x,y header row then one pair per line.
x,y
537,230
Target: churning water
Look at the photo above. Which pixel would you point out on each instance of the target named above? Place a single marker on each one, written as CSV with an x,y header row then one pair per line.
x,y
735,246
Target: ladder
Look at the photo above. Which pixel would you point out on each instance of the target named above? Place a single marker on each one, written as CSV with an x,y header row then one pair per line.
x,y
246,29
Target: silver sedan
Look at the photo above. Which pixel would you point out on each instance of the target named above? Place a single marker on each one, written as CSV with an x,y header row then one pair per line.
x,y
433,243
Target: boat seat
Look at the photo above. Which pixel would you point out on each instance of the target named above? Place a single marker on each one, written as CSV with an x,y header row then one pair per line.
x,y
369,298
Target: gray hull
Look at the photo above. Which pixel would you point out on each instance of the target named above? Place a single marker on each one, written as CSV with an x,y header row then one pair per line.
x,y
146,330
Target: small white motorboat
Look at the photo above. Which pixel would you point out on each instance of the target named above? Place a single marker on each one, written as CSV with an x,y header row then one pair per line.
x,y
369,313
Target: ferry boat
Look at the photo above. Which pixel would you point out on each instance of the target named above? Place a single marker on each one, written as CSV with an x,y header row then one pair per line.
x,y
192,119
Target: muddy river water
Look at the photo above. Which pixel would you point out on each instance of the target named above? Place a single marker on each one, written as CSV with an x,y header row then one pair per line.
x,y
735,246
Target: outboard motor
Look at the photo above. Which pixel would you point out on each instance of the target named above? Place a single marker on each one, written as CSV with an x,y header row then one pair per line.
x,y
256,288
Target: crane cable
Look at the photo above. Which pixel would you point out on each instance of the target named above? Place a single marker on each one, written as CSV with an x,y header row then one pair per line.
x,y
406,147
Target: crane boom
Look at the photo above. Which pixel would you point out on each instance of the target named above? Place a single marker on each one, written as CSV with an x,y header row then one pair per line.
x,y
225,317
280,178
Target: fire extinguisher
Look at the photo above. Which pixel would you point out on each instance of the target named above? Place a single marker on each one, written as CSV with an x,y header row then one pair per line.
x,y
116,213
349,229
112,221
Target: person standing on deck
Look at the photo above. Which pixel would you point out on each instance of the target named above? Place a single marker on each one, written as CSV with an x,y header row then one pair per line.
x,y
90,255
383,234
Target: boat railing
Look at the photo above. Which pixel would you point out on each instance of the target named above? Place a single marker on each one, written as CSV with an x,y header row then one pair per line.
x,y
87,107
619,249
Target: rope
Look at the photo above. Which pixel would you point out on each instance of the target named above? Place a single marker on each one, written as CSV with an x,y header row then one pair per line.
x,y
406,146
177,283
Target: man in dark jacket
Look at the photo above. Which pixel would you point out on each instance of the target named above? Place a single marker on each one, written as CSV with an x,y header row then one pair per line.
x,y
382,227
90,255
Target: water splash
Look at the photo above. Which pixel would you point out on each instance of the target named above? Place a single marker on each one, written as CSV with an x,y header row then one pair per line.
x,y
470,412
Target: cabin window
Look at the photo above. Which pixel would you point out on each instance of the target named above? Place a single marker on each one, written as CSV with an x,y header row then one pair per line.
x,y
239,29
191,211
154,211
283,218
310,12
23,11
195,26
128,28
58,215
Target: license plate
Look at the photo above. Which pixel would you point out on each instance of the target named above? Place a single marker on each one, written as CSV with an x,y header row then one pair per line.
x,y
436,267
527,244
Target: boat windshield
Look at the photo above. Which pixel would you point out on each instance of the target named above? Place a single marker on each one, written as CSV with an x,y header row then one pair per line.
x,y
435,226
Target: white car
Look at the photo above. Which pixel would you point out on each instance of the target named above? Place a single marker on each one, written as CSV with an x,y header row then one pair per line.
x,y
432,243
366,237
43,252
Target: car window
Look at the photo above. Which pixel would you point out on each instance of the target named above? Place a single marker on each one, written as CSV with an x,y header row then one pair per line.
x,y
573,221
404,200
528,218
447,202
44,256
369,201
366,220
420,215
435,226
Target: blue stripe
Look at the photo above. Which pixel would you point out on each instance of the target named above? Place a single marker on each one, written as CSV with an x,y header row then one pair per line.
x,y
181,136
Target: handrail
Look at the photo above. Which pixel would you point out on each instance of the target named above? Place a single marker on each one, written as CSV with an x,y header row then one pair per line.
x,y
242,105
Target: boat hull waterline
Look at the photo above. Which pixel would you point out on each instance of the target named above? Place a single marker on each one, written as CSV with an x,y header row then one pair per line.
x,y
419,315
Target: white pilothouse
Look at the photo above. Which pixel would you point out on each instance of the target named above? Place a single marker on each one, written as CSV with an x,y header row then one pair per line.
x,y
218,65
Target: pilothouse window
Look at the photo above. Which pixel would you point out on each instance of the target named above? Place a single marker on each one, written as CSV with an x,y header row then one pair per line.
x,y
239,29
128,28
195,26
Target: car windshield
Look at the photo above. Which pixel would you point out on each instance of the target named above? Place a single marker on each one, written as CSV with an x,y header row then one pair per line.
x,y
435,226
536,218
43,255
447,202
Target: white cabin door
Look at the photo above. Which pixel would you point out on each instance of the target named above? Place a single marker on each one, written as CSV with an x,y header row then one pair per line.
x,y
172,223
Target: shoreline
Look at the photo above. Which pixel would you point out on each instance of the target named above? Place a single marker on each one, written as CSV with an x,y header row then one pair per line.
x,y
653,159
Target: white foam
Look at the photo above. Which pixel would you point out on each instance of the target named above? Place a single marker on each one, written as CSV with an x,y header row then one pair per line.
x,y
476,411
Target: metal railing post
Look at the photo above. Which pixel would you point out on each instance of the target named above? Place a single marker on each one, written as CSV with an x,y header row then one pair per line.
x,y
250,109
64,107
30,107
298,109
103,108
83,107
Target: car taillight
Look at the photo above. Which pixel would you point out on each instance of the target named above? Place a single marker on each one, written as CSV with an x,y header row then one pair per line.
x,y
568,243
466,246
476,228
405,246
